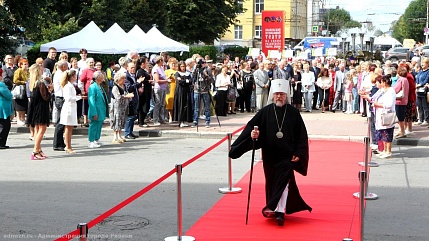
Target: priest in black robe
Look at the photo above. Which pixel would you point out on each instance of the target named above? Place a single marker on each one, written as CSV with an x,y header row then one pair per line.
x,y
282,135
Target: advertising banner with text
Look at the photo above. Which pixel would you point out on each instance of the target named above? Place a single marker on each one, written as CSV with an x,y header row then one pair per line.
x,y
272,31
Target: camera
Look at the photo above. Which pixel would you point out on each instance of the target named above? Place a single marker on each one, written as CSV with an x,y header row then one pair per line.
x,y
200,63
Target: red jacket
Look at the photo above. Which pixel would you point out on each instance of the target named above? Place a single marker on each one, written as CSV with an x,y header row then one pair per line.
x,y
412,88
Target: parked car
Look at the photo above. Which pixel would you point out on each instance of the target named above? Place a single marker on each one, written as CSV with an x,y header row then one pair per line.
x,y
423,50
399,53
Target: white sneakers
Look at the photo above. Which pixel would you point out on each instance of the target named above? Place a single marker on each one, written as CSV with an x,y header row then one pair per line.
x,y
156,124
183,124
93,145
384,155
424,123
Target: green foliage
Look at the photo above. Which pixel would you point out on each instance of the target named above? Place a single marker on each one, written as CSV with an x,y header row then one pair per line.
x,y
411,24
196,21
209,50
6,27
58,30
338,19
34,53
352,24
236,52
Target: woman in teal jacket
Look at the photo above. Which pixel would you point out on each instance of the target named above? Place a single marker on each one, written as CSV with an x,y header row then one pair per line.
x,y
6,111
98,109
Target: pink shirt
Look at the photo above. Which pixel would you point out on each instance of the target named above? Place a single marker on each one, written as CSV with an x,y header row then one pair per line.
x,y
86,78
348,88
402,84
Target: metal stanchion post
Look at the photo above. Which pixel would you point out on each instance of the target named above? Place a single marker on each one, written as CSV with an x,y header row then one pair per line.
x,y
370,163
363,179
229,189
368,196
83,231
179,236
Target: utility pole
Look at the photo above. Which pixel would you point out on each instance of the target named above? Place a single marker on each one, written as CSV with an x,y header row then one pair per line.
x,y
427,21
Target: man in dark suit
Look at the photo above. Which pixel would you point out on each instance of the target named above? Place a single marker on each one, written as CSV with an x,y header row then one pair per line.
x,y
316,71
132,84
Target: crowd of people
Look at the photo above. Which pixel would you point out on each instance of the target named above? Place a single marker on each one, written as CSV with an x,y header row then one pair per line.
x,y
158,89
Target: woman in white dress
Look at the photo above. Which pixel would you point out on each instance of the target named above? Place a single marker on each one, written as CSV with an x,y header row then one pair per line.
x,y
69,111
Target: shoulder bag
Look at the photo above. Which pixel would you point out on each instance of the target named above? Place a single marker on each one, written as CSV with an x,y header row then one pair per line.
x,y
18,92
389,118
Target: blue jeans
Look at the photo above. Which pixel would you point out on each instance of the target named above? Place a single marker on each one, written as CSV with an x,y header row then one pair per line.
x,y
355,106
206,100
129,125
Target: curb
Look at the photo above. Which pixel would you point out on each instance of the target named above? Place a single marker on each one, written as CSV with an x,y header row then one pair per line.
x,y
220,135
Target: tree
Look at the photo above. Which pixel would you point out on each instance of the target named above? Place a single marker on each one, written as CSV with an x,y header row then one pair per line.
x,y
411,24
338,19
200,20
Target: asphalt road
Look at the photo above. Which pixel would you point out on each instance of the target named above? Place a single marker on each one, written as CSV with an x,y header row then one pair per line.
x,y
41,200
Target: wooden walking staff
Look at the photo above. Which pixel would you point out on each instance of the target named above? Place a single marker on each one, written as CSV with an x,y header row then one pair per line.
x,y
251,175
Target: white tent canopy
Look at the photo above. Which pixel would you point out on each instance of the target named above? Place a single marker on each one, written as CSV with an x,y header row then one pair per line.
x,y
90,37
115,41
164,43
137,32
119,38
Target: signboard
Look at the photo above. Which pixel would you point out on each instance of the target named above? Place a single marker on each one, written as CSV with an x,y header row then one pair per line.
x,y
409,43
315,29
274,54
318,52
272,31
332,52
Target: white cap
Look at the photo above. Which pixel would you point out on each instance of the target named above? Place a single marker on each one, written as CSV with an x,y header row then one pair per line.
x,y
280,85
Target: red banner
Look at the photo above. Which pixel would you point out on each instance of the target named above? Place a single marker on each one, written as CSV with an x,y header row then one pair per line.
x,y
273,31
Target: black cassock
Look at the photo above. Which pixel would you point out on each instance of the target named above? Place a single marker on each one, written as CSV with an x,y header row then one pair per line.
x,y
277,153
182,107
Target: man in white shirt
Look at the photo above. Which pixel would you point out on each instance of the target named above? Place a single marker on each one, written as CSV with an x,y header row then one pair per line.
x,y
340,77
58,143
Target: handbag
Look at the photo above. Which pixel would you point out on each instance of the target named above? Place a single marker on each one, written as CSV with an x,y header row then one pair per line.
x,y
400,94
389,118
167,90
231,94
18,92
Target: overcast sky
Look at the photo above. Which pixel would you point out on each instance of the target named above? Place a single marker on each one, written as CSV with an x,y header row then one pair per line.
x,y
381,12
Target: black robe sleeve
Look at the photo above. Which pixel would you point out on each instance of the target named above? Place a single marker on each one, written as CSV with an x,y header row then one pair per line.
x,y
244,142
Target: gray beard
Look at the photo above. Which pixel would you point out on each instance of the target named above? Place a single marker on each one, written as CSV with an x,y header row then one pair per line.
x,y
280,103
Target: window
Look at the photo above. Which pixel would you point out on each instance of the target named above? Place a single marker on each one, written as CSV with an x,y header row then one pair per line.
x,y
238,32
258,31
259,6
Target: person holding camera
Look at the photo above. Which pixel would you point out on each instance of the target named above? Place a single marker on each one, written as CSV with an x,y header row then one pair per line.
x,y
202,83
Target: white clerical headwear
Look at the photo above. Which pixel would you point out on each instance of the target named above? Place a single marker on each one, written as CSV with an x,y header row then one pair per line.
x,y
280,85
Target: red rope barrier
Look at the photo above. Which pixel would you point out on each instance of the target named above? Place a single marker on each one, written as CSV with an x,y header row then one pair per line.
x,y
95,221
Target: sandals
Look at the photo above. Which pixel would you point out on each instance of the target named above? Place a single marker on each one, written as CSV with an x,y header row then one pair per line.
x,y
37,156
70,151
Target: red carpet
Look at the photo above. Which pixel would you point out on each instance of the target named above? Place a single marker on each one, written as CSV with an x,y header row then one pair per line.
x,y
328,188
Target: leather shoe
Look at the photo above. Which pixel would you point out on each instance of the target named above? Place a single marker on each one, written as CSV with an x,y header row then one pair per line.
x,y
129,137
280,218
133,135
4,147
59,149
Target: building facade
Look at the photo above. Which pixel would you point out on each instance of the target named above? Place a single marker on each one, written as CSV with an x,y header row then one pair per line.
x,y
247,30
